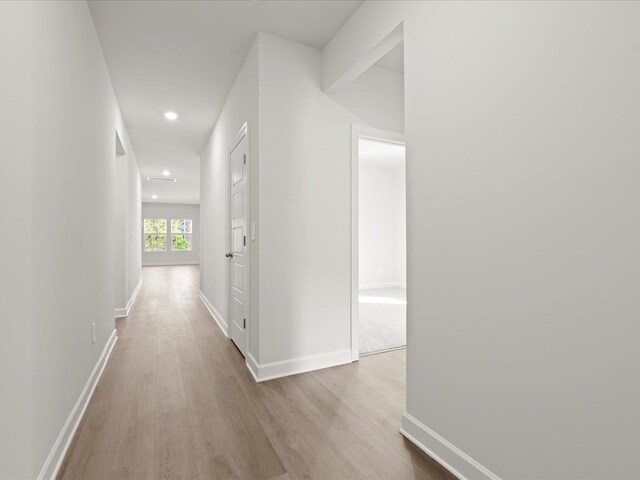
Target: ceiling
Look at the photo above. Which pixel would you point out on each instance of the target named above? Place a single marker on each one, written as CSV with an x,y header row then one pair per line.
x,y
184,56
380,154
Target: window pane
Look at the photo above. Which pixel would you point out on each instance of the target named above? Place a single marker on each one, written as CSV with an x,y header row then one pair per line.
x,y
155,225
181,225
181,242
155,243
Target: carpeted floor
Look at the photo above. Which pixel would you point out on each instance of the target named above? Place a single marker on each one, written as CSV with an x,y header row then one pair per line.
x,y
383,319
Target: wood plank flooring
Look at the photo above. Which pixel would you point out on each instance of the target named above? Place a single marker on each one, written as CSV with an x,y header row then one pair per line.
x,y
176,401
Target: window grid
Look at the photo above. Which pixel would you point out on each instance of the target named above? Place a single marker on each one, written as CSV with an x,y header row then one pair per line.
x,y
181,234
155,235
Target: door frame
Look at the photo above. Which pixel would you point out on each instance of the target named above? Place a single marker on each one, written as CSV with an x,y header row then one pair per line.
x,y
242,133
387,136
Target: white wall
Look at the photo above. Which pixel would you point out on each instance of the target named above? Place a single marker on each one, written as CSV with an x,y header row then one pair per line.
x,y
15,210
300,268
382,225
60,158
127,232
377,97
523,231
401,224
133,236
169,211
240,107
120,236
305,146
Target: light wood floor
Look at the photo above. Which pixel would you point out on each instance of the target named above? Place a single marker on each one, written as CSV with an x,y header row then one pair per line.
x,y
176,401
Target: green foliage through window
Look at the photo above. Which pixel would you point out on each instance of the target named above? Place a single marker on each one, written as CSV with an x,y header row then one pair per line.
x,y
182,225
155,234
155,243
155,225
181,242
181,230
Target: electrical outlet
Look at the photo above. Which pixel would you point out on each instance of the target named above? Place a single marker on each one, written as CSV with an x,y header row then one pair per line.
x,y
93,333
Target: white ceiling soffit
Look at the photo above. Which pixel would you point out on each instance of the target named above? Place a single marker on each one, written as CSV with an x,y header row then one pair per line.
x,y
394,60
381,154
334,80
184,56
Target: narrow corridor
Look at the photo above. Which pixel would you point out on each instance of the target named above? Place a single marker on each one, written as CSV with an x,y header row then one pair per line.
x,y
176,401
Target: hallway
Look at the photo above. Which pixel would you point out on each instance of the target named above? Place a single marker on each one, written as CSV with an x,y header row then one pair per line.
x,y
176,401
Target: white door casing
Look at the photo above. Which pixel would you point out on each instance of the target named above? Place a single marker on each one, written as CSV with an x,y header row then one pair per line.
x,y
358,132
239,252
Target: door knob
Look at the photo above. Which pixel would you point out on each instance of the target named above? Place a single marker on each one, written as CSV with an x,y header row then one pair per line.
x,y
229,255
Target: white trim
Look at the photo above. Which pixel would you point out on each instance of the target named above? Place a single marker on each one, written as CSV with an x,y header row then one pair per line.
x,y
252,365
371,286
243,132
284,368
171,263
446,454
124,312
358,132
62,443
214,313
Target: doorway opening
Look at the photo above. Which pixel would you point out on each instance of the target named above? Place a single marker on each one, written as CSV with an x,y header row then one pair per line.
x,y
379,300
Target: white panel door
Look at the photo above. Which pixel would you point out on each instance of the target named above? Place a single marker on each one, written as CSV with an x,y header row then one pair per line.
x,y
238,310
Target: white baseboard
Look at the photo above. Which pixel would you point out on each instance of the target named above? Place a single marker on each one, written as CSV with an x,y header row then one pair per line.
x,y
214,313
124,312
171,264
371,286
61,445
252,365
449,456
284,368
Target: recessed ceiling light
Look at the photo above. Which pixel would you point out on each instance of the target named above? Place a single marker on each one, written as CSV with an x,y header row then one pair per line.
x,y
155,197
171,115
166,173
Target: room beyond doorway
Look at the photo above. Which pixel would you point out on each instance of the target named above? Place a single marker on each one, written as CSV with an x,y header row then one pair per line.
x,y
383,319
378,241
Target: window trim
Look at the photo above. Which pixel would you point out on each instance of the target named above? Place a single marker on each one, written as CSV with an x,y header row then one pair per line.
x,y
168,235
190,249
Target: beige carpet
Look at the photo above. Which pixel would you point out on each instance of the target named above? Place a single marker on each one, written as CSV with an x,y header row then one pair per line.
x,y
383,319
